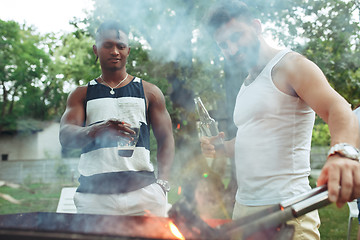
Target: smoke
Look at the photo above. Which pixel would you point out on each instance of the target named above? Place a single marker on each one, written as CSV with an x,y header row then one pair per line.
x,y
169,28
173,32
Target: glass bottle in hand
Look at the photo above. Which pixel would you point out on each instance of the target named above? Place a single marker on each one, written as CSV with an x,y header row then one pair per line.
x,y
208,126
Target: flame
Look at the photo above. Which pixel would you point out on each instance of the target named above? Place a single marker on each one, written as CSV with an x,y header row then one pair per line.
x,y
175,231
178,126
179,190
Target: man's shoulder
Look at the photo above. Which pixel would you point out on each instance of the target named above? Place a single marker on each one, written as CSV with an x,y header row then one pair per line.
x,y
293,57
79,92
148,86
293,62
152,92
82,88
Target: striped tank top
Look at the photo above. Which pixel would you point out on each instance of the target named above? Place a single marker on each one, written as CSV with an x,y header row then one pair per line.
x,y
102,170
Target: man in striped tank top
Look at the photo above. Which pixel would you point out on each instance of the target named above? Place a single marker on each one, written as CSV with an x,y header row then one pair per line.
x,y
274,114
103,111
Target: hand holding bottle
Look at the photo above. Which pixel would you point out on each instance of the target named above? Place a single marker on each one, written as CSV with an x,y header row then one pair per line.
x,y
210,137
213,147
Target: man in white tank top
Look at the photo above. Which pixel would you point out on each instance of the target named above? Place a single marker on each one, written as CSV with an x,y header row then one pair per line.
x,y
274,114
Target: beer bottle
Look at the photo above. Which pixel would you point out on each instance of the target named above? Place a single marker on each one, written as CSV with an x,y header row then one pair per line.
x,y
207,125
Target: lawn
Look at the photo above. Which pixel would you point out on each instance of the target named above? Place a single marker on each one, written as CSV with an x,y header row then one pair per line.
x,y
34,198
44,198
334,223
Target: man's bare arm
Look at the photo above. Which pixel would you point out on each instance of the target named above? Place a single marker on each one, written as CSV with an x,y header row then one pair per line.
x,y
73,133
311,85
162,127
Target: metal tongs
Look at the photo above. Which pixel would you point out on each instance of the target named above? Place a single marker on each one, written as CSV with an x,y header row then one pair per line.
x,y
276,215
269,223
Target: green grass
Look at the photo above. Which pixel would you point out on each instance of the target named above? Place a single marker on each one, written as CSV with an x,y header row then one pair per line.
x,y
44,198
334,223
35,198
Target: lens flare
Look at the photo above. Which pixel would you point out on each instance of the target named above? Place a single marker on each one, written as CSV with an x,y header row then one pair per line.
x,y
175,231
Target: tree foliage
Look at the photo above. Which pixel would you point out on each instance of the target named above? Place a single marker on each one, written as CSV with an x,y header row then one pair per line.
x,y
22,65
326,32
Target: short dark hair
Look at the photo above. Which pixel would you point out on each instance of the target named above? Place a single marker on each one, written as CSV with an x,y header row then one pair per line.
x,y
110,25
223,12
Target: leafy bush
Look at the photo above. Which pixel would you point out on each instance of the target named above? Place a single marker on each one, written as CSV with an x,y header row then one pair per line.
x,y
320,135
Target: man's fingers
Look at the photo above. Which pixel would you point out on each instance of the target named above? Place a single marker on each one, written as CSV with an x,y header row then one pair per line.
x,y
222,135
343,180
356,175
346,186
208,150
122,128
334,175
118,128
323,178
204,140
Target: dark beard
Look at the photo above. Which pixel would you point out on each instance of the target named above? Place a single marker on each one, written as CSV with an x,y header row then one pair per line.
x,y
251,55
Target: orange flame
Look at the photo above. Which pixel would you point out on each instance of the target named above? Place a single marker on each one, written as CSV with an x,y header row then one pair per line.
x,y
175,231
178,126
179,190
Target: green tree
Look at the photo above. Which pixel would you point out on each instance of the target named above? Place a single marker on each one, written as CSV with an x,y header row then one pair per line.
x,y
334,44
75,58
22,65
326,32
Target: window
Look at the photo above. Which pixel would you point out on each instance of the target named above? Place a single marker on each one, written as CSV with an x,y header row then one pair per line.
x,y
4,157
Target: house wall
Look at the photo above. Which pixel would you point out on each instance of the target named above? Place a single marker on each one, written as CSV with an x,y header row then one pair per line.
x,y
19,147
49,144
36,146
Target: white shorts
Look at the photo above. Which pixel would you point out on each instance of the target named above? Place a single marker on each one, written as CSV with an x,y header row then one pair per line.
x,y
150,200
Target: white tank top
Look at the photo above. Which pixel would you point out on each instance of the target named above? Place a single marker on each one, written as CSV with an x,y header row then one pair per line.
x,y
273,141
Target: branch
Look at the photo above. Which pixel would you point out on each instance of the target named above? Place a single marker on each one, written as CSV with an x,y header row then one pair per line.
x,y
9,198
14,185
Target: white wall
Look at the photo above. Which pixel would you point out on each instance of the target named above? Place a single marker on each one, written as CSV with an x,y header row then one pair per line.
x,y
19,147
49,144
36,146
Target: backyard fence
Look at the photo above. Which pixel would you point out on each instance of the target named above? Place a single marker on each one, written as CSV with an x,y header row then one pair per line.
x,y
46,171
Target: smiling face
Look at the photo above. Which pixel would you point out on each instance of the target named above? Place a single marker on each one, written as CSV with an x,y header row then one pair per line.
x,y
239,42
112,48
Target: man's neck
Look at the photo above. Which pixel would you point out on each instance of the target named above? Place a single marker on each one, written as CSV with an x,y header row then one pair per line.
x,y
113,76
265,55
